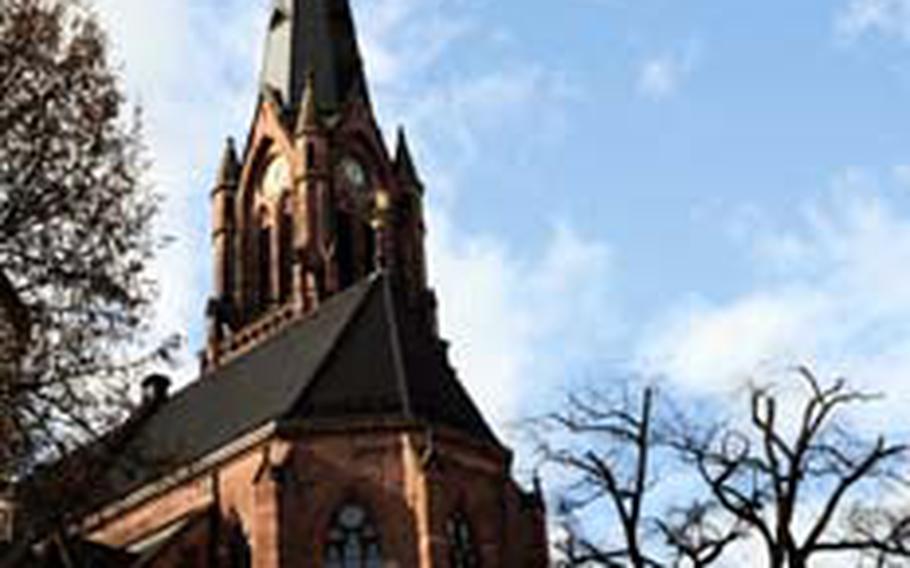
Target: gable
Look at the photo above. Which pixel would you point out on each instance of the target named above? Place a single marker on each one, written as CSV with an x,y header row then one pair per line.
x,y
388,365
358,357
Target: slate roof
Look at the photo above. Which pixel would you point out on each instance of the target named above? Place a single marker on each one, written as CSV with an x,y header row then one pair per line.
x,y
317,36
360,356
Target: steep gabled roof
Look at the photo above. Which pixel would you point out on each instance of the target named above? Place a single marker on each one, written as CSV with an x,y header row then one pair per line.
x,y
250,391
315,36
359,356
388,365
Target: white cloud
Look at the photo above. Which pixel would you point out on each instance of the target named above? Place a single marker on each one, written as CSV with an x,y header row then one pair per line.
x,y
191,67
709,346
835,296
888,18
662,76
517,324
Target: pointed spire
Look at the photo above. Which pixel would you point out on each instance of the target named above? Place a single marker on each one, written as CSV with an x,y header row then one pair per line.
x,y
308,117
229,171
311,35
404,163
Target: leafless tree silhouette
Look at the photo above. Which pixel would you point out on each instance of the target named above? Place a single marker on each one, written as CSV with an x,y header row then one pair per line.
x,y
790,473
605,451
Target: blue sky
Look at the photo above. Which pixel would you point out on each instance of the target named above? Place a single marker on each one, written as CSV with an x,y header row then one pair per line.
x,y
704,190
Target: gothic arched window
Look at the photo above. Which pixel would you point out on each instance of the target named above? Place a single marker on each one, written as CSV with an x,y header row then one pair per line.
x,y
286,252
265,266
462,552
353,541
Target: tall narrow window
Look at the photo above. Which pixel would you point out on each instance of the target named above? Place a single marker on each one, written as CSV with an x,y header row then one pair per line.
x,y
227,267
344,249
286,255
265,267
462,552
310,155
353,541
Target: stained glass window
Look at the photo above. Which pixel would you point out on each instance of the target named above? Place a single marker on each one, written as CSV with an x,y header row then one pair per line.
x,y
353,541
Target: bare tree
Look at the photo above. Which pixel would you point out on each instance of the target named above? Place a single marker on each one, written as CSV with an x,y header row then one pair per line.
x,y
75,230
788,475
605,451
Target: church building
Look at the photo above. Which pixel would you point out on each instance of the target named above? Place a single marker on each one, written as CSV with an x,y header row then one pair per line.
x,y
327,427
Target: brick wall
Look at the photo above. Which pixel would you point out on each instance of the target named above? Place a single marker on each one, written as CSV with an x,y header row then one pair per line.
x,y
285,496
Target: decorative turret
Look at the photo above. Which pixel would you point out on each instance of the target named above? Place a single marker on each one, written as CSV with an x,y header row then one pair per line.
x,y
412,225
404,163
308,118
312,145
223,221
219,311
229,170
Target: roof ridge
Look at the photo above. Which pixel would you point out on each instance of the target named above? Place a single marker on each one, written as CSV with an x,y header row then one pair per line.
x,y
397,356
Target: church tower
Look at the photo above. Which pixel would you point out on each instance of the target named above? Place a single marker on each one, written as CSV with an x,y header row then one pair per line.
x,y
315,201
327,428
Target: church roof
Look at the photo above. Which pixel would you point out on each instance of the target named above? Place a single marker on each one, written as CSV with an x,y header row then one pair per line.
x,y
358,356
315,36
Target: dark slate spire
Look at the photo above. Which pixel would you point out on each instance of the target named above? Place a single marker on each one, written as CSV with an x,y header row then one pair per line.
x,y
404,164
229,170
317,36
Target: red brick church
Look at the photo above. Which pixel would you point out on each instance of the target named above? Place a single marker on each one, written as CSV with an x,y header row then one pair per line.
x,y
328,427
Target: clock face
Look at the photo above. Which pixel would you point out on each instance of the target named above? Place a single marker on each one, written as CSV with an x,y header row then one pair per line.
x,y
277,178
353,172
